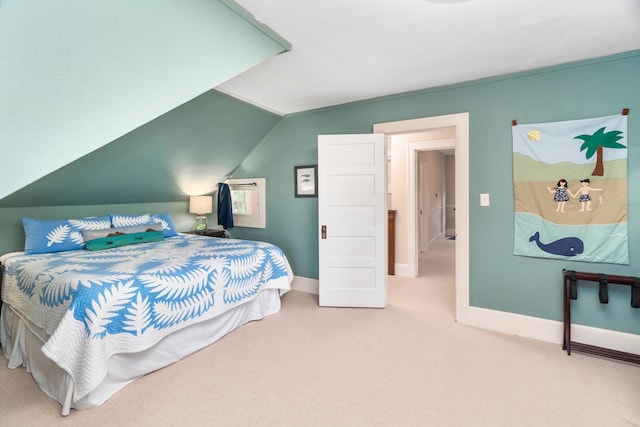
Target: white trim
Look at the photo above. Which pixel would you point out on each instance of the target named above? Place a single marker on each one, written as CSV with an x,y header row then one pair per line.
x,y
551,330
402,270
224,91
461,123
257,187
304,284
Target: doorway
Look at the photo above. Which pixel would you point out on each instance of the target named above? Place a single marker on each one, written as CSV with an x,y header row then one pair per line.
x,y
435,195
450,127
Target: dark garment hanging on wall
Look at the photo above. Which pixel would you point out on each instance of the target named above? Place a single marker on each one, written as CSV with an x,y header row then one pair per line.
x,y
225,209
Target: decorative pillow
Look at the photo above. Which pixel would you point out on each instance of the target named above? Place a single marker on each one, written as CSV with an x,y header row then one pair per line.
x,y
89,235
118,220
44,236
124,239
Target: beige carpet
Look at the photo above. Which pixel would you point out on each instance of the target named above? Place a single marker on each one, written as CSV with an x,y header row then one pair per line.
x,y
407,365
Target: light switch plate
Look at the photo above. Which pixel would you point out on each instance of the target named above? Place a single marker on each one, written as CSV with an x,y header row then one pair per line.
x,y
484,199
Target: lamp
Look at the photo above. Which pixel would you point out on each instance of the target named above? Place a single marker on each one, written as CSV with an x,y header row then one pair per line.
x,y
201,205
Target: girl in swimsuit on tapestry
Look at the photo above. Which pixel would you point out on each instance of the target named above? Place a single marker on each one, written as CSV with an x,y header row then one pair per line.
x,y
583,191
561,194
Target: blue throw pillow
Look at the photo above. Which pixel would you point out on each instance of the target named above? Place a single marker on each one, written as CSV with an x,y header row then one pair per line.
x,y
118,220
44,236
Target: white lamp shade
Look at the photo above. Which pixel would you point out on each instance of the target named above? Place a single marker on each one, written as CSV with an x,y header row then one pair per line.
x,y
200,205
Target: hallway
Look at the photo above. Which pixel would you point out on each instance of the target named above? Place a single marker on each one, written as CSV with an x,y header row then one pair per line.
x,y
439,261
434,290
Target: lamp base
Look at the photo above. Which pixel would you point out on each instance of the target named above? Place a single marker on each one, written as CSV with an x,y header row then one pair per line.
x,y
201,224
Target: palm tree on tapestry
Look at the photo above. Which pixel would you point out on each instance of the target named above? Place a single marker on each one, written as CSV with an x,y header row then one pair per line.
x,y
594,144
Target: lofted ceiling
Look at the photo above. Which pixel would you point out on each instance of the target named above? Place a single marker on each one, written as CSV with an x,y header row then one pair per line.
x,y
351,50
76,75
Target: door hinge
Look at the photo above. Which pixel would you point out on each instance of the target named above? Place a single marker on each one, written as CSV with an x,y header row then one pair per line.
x,y
324,231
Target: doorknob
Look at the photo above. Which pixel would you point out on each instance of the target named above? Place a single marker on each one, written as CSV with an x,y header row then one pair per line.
x,y
324,231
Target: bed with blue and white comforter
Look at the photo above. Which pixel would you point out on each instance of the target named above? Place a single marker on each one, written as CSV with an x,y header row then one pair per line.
x,y
88,306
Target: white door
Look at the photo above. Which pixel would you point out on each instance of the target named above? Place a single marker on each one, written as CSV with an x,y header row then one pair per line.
x,y
352,214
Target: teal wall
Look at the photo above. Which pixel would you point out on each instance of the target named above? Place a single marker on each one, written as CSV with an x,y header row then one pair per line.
x,y
498,279
183,152
76,75
186,151
147,170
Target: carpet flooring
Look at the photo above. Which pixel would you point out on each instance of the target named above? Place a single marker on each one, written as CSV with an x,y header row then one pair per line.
x,y
409,364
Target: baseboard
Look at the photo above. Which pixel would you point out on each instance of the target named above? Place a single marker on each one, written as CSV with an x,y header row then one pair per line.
x,y
551,330
401,270
524,326
304,284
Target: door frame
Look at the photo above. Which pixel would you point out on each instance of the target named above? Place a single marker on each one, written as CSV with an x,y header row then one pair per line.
x,y
460,122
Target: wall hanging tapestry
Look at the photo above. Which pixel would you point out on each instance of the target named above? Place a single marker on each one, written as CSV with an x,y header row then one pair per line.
x,y
570,189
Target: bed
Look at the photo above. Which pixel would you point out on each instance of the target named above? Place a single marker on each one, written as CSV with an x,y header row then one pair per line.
x,y
86,323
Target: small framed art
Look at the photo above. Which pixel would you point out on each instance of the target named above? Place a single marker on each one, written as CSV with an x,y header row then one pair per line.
x,y
306,180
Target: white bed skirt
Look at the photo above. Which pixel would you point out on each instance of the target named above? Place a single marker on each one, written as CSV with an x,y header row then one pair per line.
x,y
22,347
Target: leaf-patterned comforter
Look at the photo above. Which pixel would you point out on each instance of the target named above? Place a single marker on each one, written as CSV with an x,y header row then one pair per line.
x,y
87,305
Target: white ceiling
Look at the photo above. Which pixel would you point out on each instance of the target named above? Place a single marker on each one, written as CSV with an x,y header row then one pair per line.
x,y
350,50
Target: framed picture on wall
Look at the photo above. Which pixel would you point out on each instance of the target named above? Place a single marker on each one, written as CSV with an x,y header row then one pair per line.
x,y
305,179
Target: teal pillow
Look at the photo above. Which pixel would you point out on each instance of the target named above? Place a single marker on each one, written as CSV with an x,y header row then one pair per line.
x,y
98,234
124,240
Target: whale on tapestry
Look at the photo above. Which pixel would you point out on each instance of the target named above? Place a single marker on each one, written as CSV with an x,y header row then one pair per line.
x,y
571,190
